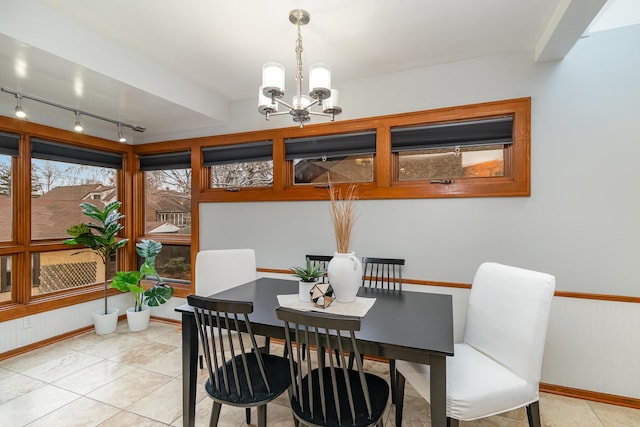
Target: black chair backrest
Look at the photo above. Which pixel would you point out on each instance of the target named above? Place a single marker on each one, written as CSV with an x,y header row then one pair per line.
x,y
322,261
329,395
232,367
384,273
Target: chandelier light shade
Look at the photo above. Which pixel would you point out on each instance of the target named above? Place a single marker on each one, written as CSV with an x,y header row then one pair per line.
x,y
321,94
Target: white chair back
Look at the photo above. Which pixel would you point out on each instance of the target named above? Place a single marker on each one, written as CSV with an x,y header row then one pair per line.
x,y
508,315
220,269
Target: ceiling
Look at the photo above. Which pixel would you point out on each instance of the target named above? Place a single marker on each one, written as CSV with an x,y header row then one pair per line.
x,y
177,67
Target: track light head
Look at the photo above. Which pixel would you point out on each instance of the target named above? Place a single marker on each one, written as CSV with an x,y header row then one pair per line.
x,y
78,126
121,137
19,111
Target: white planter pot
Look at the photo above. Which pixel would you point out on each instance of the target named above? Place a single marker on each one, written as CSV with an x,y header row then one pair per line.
x,y
138,320
106,323
304,290
345,276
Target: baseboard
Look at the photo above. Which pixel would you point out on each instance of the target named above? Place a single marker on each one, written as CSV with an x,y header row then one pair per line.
x,y
593,396
44,343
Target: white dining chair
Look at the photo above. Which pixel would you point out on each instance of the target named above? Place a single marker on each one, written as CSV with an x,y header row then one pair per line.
x,y
497,366
220,269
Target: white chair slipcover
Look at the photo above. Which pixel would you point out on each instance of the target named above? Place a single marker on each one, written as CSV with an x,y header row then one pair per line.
x,y
497,366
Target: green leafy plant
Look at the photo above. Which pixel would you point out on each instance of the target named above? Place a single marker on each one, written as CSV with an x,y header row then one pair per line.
x,y
100,234
310,273
130,281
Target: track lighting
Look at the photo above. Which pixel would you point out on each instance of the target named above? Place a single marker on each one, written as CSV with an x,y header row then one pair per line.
x,y
19,112
78,127
121,137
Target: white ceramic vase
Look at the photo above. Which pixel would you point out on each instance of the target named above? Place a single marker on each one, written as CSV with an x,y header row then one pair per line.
x,y
304,290
106,323
345,276
138,320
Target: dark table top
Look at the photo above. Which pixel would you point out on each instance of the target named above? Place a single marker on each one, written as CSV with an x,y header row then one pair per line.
x,y
407,325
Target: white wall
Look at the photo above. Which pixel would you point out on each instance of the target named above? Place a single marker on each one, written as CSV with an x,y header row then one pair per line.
x,y
579,224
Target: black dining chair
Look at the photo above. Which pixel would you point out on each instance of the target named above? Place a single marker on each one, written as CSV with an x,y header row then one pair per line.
x,y
383,273
329,395
239,374
322,261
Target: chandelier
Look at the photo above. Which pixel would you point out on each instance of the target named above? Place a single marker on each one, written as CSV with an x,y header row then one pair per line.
x,y
272,89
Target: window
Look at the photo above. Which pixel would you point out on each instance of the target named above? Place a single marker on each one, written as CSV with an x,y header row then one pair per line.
x,y
344,158
478,150
62,177
450,151
5,278
173,264
8,150
61,270
240,165
167,186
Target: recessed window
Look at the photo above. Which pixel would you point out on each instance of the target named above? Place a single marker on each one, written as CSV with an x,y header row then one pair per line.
x,y
173,264
240,165
62,270
449,151
5,278
62,177
8,150
167,192
344,158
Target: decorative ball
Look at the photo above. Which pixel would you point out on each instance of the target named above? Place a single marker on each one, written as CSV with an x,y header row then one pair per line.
x,y
322,295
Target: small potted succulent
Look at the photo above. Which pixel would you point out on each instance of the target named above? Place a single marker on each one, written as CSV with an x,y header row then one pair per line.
x,y
308,276
130,281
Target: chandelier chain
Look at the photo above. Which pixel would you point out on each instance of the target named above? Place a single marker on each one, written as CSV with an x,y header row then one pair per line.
x,y
299,65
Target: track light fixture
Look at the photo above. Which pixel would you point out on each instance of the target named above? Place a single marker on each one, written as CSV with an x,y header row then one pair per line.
x,y
19,112
78,127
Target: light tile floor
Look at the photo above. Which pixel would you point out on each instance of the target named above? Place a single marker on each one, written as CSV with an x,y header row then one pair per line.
x,y
134,379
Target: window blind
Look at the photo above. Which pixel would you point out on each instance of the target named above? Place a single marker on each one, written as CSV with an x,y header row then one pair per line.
x,y
449,135
165,161
330,146
9,144
56,151
238,153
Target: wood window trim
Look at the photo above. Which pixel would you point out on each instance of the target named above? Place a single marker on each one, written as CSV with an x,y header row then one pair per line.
x,y
516,181
21,247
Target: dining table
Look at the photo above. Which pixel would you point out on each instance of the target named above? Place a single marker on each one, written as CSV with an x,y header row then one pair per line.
x,y
407,325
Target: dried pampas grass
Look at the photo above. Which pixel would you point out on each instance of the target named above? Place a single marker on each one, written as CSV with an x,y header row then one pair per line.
x,y
343,215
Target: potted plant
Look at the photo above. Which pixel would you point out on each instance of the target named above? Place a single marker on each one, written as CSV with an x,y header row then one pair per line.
x,y
308,277
344,269
130,281
100,235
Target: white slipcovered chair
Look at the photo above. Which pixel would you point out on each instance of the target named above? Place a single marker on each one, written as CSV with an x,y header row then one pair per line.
x,y
497,366
220,269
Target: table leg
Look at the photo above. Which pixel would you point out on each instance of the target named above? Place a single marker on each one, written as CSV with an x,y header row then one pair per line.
x,y
189,368
438,390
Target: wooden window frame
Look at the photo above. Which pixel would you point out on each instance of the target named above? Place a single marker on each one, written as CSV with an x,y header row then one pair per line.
x,y
514,182
21,247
